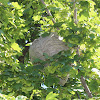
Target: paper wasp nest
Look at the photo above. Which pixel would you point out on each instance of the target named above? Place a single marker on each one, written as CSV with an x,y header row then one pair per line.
x,y
50,45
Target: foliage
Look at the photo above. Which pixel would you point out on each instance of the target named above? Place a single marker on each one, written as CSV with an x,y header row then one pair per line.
x,y
8,97
22,21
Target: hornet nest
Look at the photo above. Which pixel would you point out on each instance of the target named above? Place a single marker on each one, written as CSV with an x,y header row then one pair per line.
x,y
50,45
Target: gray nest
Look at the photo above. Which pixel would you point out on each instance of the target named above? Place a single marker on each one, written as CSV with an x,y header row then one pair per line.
x,y
50,45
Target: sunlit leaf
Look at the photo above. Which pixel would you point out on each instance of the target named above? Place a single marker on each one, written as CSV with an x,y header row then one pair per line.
x,y
16,5
16,47
51,96
36,18
28,44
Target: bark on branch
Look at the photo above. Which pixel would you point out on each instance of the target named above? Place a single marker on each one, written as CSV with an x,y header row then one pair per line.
x,y
87,90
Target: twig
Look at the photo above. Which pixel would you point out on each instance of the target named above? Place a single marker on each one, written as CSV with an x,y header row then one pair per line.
x,y
48,12
78,95
86,87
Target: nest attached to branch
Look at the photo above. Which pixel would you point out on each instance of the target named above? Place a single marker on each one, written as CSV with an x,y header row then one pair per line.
x,y
50,45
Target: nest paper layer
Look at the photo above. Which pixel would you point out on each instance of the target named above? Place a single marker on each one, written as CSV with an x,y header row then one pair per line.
x,y
50,45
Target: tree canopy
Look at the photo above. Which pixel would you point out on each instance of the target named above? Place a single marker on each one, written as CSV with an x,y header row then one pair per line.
x,y
23,21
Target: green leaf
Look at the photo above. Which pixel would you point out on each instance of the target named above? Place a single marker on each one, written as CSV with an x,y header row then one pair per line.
x,y
84,3
79,67
26,89
21,98
12,23
70,44
94,85
16,5
28,44
50,80
11,79
16,47
36,18
50,69
37,60
38,67
46,56
92,36
51,96
58,24
1,32
65,68
4,2
54,9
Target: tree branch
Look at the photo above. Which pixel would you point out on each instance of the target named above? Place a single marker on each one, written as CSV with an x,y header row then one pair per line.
x,y
87,90
48,12
21,58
